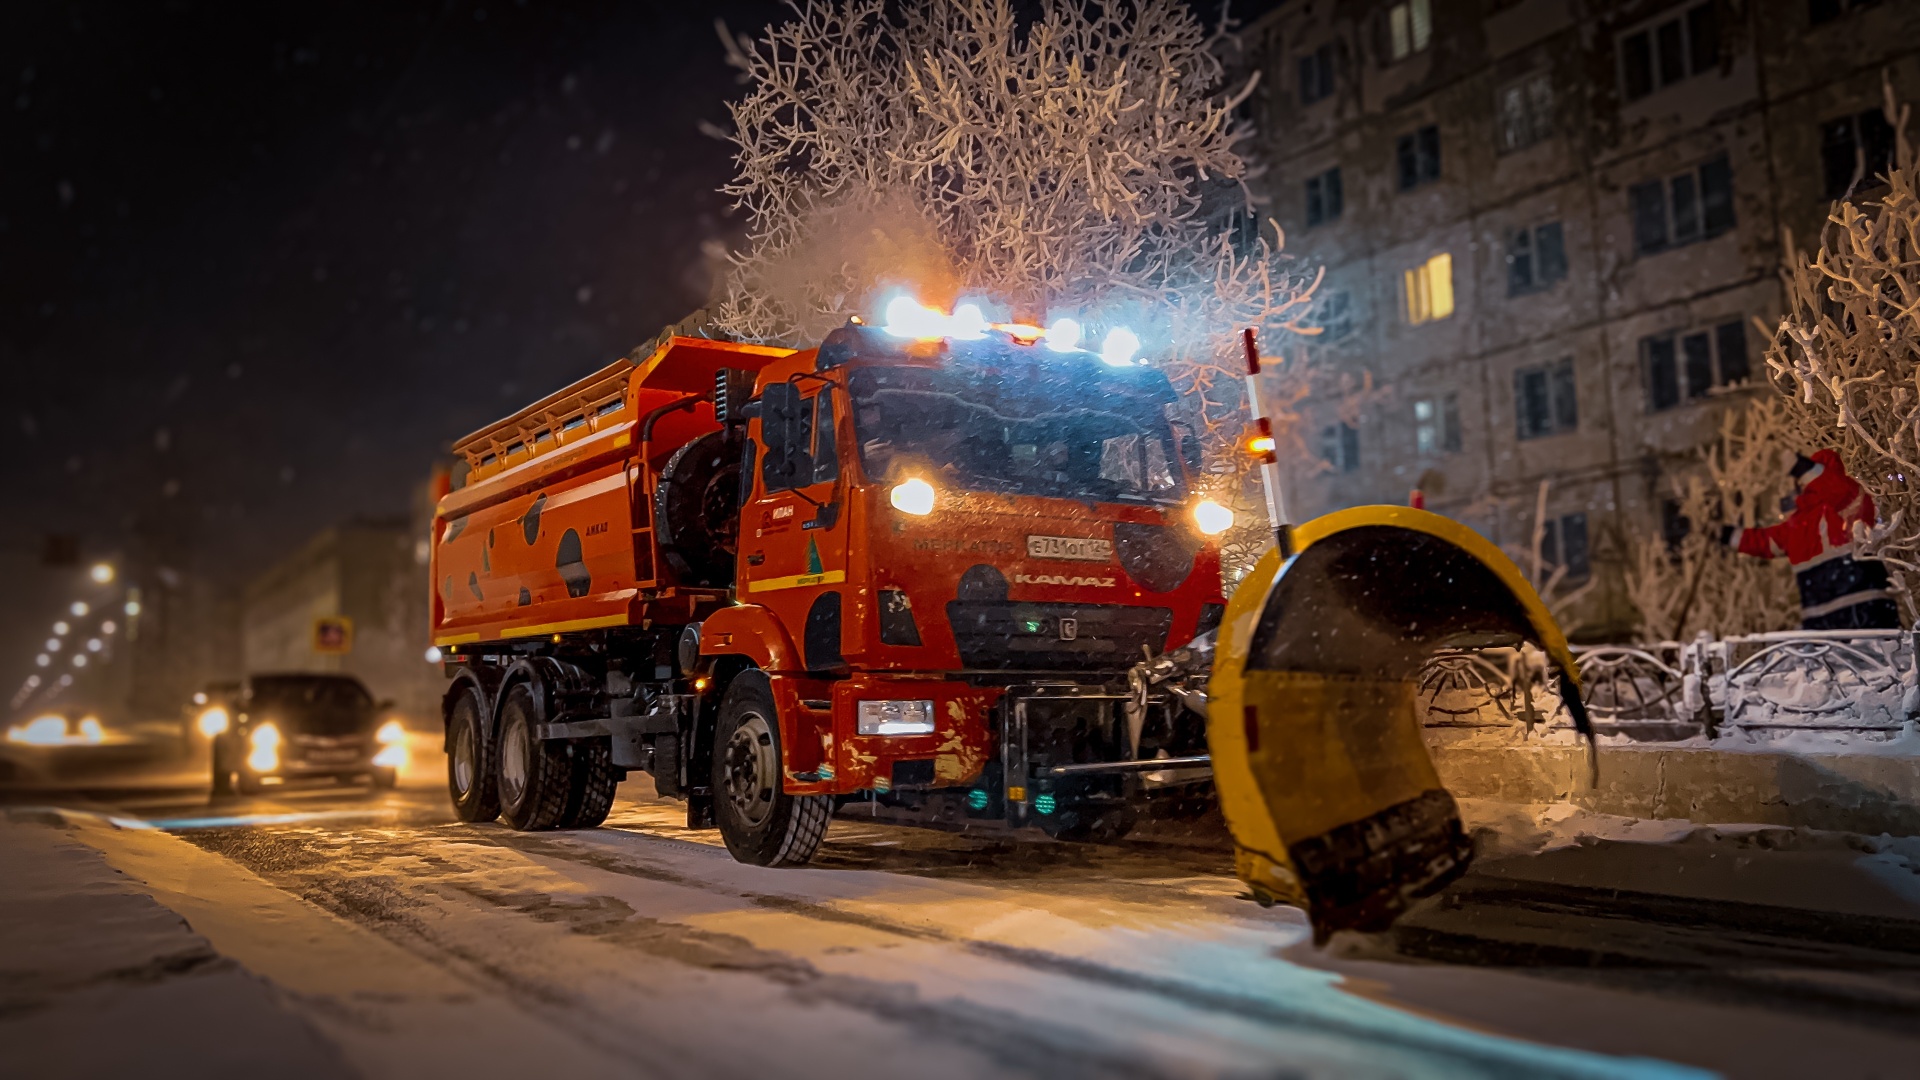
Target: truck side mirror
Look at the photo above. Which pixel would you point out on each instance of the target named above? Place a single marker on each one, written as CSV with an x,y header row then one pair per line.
x,y
783,426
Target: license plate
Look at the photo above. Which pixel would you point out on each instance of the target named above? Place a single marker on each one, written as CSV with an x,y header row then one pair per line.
x,y
332,757
1081,548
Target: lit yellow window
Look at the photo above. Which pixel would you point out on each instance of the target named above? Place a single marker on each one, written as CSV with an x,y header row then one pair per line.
x,y
1430,290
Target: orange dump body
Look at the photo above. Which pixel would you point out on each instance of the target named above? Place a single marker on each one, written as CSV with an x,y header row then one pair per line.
x,y
553,531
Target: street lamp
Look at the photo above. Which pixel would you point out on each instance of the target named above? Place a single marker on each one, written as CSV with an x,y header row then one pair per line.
x,y
43,660
102,573
53,644
61,628
79,609
80,659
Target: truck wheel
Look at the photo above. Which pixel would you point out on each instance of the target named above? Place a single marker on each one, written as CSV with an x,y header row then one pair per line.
x,y
536,775
594,780
761,823
470,775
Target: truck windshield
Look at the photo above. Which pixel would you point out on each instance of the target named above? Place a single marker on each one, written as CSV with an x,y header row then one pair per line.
x,y
1065,432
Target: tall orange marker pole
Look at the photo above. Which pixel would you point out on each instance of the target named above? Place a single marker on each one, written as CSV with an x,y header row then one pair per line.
x,y
1269,457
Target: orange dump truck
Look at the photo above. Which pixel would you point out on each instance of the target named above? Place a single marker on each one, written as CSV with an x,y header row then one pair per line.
x,y
911,572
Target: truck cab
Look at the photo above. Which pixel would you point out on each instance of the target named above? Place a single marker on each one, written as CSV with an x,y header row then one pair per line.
x,y
961,548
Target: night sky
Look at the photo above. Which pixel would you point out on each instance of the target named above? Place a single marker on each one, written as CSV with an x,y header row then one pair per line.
x,y
260,263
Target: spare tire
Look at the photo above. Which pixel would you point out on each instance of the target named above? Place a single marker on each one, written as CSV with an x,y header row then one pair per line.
x,y
696,510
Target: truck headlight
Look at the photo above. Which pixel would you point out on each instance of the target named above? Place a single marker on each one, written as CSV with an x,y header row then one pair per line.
x,y
914,496
1212,518
896,718
265,741
213,722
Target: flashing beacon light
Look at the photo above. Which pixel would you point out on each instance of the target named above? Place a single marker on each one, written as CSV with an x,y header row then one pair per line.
x,y
1120,347
906,317
967,323
1063,335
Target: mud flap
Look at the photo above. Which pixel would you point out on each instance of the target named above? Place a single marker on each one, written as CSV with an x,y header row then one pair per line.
x,y
1323,774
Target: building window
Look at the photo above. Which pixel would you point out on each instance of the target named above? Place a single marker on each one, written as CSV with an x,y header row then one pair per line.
x,y
1696,205
1325,200
1536,258
1860,145
1668,51
1418,154
1436,425
1820,11
1563,545
1687,367
1429,289
1409,28
1340,446
1335,316
1544,400
1316,74
1526,112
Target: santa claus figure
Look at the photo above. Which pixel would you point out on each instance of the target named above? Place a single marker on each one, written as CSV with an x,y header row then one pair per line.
x,y
1837,590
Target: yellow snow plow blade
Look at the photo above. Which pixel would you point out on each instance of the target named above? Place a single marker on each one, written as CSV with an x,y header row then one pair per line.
x,y
1325,780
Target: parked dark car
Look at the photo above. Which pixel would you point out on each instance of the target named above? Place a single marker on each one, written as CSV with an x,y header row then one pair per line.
x,y
306,726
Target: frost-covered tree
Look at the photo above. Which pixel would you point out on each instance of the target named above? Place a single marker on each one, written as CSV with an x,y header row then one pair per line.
x,y
1739,479
1848,348
1070,162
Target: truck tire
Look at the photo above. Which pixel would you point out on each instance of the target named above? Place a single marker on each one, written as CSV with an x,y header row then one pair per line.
x,y
696,510
594,781
761,824
471,780
535,775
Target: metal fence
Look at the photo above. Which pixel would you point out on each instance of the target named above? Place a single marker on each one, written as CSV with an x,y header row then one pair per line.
x,y
1853,681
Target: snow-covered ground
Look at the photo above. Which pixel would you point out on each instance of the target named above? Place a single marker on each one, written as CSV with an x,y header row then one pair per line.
x,y
405,944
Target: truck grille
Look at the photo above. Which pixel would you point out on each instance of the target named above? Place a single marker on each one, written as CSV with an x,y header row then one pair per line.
x,y
998,634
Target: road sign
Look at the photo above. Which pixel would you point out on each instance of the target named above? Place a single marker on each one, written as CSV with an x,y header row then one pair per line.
x,y
333,635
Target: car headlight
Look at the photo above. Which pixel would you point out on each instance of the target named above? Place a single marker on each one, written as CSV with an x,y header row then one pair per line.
x,y
214,721
913,496
90,730
390,732
896,718
265,741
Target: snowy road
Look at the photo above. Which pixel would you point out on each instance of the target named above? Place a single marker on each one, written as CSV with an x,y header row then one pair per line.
x,y
416,945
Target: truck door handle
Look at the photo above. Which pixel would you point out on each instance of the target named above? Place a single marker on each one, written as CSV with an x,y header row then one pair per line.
x,y
756,558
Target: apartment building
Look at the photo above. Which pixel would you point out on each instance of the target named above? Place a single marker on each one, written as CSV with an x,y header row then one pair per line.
x,y
1547,228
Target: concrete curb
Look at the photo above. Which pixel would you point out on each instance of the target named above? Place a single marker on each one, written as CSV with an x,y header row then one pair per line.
x,y
1861,793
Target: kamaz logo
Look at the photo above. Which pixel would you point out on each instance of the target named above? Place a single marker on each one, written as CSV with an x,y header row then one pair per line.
x,y
1061,579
